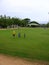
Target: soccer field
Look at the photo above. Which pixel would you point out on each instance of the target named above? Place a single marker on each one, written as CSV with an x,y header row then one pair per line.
x,y
34,46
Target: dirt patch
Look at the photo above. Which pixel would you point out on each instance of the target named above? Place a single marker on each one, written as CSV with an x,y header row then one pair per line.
x,y
8,60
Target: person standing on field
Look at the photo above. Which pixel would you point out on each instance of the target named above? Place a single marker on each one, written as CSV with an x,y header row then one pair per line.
x,y
19,35
14,33
24,35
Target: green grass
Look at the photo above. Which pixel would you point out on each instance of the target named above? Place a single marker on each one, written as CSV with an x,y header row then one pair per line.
x,y
34,46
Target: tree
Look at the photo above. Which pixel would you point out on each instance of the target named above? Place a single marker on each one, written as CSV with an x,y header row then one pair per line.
x,y
25,21
16,21
47,24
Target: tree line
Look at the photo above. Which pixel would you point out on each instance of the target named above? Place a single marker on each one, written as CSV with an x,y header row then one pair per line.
x,y
8,21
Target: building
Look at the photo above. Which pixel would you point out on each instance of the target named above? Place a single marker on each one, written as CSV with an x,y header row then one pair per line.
x,y
33,24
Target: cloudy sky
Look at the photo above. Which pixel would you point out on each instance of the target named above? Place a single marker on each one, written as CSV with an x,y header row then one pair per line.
x,y
34,9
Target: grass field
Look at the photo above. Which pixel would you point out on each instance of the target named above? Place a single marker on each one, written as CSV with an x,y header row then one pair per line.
x,y
34,46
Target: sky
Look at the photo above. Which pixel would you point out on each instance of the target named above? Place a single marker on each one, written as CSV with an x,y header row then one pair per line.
x,y
36,10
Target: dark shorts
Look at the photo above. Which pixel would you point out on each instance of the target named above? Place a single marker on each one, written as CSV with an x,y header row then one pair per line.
x,y
13,34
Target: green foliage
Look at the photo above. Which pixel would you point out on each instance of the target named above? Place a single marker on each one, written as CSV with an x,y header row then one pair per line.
x,y
47,24
7,21
26,21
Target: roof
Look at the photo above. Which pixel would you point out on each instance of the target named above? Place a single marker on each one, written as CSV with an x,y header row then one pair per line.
x,y
32,24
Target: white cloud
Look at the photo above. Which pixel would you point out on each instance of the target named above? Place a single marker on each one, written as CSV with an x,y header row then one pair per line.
x,y
34,9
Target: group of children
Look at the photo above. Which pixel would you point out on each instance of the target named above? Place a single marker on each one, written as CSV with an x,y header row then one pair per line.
x,y
19,35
